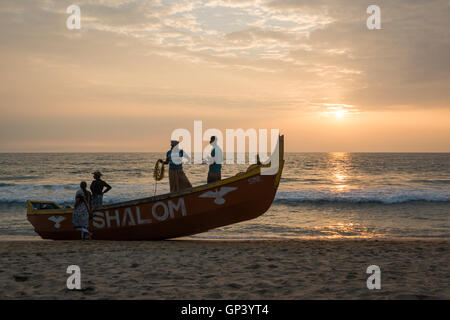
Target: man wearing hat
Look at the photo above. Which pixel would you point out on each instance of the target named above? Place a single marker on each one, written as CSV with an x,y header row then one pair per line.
x,y
177,179
214,161
97,189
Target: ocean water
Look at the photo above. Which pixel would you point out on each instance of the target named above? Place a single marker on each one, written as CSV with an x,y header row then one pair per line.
x,y
321,195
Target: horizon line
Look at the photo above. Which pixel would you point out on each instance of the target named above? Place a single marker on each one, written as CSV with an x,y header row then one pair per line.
x,y
89,152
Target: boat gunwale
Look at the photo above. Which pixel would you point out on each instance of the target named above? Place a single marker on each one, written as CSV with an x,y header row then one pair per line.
x,y
189,191
160,197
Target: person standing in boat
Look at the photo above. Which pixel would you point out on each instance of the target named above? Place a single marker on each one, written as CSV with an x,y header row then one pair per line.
x,y
177,178
98,189
81,212
214,161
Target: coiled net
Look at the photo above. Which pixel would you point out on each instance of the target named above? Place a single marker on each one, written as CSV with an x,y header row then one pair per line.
x,y
158,171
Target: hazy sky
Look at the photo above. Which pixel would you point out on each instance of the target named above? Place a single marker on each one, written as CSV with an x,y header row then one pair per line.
x,y
139,69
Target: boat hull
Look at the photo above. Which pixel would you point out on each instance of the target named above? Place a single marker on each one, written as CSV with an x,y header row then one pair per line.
x,y
243,197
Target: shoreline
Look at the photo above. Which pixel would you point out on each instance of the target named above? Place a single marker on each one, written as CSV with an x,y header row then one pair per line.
x,y
14,238
192,269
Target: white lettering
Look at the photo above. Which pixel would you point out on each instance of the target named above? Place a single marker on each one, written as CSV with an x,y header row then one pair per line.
x,y
74,280
74,20
173,207
231,134
193,310
155,214
198,143
184,145
115,217
139,219
127,213
374,281
374,21
98,220
274,159
240,135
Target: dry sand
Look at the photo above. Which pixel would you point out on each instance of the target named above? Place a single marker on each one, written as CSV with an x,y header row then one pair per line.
x,y
308,269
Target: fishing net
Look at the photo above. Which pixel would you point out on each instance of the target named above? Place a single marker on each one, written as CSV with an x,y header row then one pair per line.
x,y
158,171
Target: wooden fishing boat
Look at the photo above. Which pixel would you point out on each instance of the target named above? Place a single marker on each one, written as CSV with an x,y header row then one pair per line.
x,y
242,197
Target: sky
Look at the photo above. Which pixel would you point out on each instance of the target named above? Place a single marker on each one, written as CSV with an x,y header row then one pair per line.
x,y
137,70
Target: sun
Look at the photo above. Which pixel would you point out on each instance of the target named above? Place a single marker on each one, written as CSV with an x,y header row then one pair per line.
x,y
340,114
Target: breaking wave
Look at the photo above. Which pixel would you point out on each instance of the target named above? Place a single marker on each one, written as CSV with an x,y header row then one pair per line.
x,y
64,194
19,194
384,196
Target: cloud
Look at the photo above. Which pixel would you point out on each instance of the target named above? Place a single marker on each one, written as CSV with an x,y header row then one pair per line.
x,y
223,56
403,64
329,40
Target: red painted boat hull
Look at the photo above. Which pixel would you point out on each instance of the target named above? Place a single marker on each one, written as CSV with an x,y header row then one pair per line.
x,y
243,197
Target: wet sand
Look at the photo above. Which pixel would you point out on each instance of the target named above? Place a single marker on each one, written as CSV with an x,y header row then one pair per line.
x,y
306,269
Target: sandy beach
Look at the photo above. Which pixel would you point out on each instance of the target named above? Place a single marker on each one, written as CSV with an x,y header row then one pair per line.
x,y
307,269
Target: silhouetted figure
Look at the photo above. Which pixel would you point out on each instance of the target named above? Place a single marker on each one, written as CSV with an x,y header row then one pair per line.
x,y
214,161
81,213
177,179
98,189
